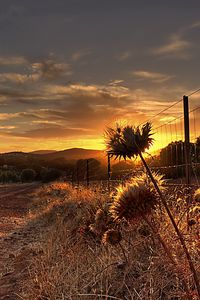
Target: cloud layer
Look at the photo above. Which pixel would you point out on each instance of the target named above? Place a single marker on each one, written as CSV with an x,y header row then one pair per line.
x,y
70,68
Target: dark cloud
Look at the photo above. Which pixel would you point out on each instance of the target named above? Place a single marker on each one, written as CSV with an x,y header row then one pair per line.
x,y
11,12
19,94
98,45
50,70
51,132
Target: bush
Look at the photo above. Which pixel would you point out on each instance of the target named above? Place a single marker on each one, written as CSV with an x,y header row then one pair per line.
x,y
28,175
48,175
8,176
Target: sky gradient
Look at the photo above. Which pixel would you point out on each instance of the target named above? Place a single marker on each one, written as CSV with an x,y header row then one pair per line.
x,y
69,68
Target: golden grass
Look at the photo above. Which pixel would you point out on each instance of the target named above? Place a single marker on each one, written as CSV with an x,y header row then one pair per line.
x,y
73,262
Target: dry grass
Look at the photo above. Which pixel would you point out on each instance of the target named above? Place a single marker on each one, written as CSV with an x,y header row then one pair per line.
x,y
73,262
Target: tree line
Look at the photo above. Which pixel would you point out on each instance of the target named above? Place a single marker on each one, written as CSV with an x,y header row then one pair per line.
x,y
25,168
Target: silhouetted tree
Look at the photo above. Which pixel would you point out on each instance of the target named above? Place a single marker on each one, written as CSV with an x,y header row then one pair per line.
x,y
48,175
173,157
28,175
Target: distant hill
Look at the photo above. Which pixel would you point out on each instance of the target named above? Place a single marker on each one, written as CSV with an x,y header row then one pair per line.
x,y
76,153
42,151
70,155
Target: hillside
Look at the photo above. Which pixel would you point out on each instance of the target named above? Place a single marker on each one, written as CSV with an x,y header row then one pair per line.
x,y
76,153
42,151
68,155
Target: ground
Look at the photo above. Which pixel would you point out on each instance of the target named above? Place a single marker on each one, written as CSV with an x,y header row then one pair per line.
x,y
17,237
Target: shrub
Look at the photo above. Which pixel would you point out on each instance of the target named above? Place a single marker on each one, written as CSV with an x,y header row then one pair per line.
x,y
7,176
48,175
28,175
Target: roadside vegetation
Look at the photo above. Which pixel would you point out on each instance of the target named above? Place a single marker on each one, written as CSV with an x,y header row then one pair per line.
x,y
137,240
90,251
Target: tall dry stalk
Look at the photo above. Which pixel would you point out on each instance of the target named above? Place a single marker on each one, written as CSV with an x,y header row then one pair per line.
x,y
130,142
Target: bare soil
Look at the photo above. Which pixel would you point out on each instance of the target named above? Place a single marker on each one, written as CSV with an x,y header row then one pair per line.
x,y
17,237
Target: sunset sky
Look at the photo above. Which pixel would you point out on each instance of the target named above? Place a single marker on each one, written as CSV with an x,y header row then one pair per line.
x,y
69,68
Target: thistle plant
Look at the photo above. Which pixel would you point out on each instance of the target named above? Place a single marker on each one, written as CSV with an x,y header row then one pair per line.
x,y
112,237
100,217
101,221
135,199
197,195
130,142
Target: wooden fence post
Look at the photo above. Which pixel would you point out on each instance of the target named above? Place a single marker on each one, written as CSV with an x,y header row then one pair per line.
x,y
87,173
77,175
187,141
187,154
109,172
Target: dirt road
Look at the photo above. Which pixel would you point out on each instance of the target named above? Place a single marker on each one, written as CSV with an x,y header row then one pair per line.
x,y
16,237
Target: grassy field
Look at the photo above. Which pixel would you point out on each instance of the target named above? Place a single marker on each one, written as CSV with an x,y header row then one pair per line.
x,y
84,254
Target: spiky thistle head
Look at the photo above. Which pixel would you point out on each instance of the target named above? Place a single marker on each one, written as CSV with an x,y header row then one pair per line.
x,y
135,199
144,230
112,237
197,195
143,178
191,222
128,141
100,216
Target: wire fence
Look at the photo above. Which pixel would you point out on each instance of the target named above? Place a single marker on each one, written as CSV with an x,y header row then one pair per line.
x,y
175,153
